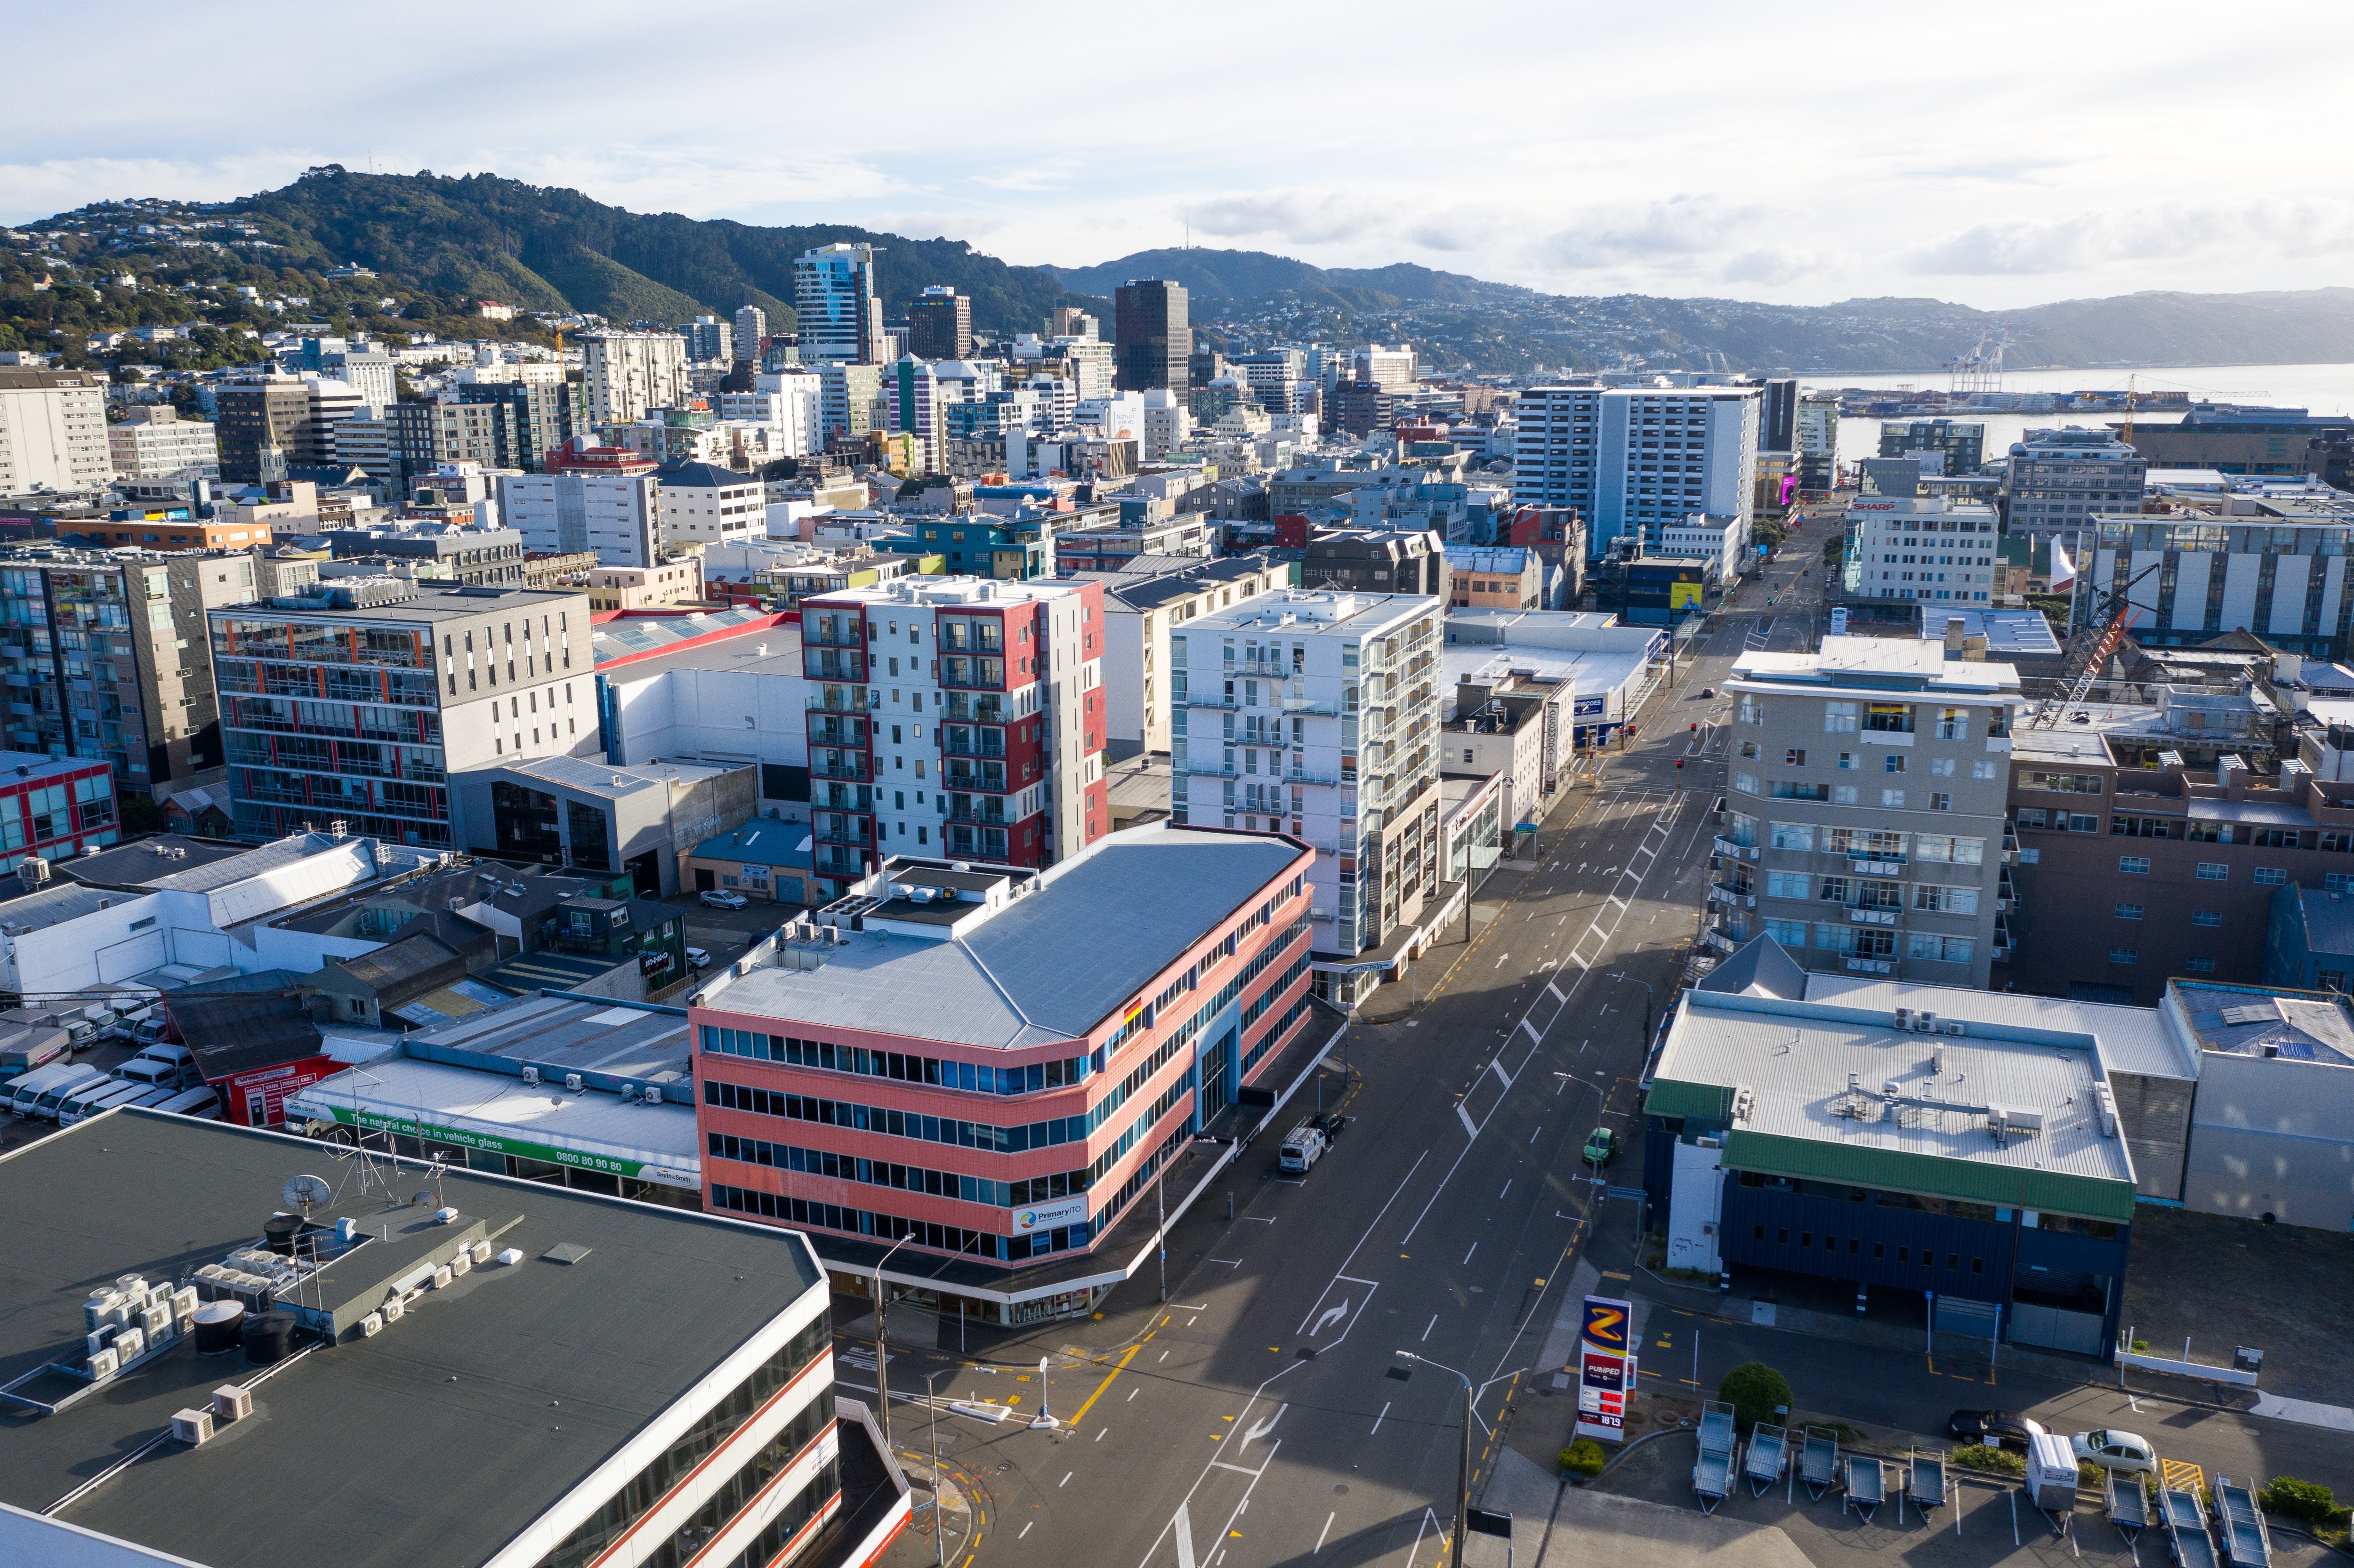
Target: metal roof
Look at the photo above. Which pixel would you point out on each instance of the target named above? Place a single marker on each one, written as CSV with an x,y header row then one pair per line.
x,y
593,1122
56,904
2258,1020
2137,1039
2024,632
612,780
589,1035
1052,966
762,842
1787,1067
142,862
2329,920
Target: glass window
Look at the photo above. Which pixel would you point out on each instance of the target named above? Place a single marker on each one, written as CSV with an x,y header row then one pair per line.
x,y
2123,956
1788,933
2269,876
2127,911
1888,718
1839,718
1792,836
2210,917
2133,864
2212,871
1787,884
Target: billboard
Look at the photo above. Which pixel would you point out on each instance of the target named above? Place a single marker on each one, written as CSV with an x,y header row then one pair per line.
x,y
1605,1368
1682,594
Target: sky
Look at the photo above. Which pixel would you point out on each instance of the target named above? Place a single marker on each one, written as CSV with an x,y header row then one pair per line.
x,y
1995,154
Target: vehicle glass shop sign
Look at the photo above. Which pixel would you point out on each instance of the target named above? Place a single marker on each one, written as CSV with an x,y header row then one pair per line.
x,y
1605,1368
459,1137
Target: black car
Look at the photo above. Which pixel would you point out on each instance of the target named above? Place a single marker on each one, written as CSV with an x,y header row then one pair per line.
x,y
1996,1428
1330,1124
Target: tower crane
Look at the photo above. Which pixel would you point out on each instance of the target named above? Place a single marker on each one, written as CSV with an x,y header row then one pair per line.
x,y
2119,606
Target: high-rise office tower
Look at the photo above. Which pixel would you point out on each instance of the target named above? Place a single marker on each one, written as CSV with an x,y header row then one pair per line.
x,y
709,340
1391,369
1818,448
940,324
841,316
2061,479
1069,321
1628,458
630,372
264,420
1777,418
1152,336
751,329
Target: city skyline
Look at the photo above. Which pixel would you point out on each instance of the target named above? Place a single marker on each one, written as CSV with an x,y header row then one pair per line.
x,y
1615,152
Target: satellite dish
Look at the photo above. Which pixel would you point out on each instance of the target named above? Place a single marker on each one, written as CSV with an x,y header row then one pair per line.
x,y
306,1192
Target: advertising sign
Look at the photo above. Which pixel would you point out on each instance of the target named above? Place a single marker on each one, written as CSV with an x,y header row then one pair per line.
x,y
1046,1217
1682,594
1605,1369
521,1148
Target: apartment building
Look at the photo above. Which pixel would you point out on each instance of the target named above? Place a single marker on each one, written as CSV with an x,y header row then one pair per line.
x,y
2270,561
102,654
1139,609
53,433
1924,547
477,557
710,339
1959,444
1865,828
705,504
960,716
155,442
540,417
369,714
1376,560
674,579
627,373
791,404
1482,577
1316,713
2060,480
839,318
1630,458
1817,449
600,500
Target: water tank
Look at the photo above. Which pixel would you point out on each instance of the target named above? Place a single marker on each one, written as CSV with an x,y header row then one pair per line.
x,y
220,1326
279,1232
268,1337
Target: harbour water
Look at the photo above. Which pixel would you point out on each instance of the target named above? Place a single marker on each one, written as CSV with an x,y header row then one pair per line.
x,y
2317,388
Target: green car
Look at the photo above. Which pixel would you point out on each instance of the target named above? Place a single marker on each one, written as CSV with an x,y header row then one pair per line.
x,y
1600,1147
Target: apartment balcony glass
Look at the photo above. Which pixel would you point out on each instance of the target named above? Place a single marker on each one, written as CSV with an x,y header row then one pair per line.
x,y
839,700
965,708
986,675
830,664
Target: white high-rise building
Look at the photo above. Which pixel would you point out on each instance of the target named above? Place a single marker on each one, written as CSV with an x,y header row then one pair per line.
x,y
2061,479
848,391
1315,713
1391,369
155,442
803,416
630,372
53,431
710,339
367,371
1168,424
792,415
1091,363
615,510
751,326
332,402
1924,547
1630,458
364,441
911,394
834,295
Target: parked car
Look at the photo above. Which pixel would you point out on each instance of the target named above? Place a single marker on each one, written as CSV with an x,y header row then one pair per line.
x,y
1303,1146
2115,1451
1600,1147
1995,1429
696,959
722,898
1331,1124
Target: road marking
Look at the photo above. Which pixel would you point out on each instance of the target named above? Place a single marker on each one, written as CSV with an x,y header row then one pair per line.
x,y
1386,1409
1323,1532
1066,1480
1555,995
1133,1392
1468,1126
1539,1133
1467,1256
1164,1356
1101,1430
1025,1529
2014,1518
1263,1427
1425,1336
1499,960
1508,1187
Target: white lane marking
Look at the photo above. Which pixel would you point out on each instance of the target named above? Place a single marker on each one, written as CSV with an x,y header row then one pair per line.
x,y
1469,1125
1266,1426
1555,995
1164,1356
1499,960
1137,1390
1323,1532
1099,1433
1467,1256
1191,1322
1385,1410
1425,1336
1066,1480
1539,1133
1508,1187
1025,1529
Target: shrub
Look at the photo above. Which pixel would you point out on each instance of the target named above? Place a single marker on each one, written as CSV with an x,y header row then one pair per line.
x,y
1985,1457
2091,1477
2302,1500
1583,1457
1753,1389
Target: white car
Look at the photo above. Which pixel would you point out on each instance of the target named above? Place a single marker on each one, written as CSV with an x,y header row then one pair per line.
x,y
2115,1451
721,898
696,959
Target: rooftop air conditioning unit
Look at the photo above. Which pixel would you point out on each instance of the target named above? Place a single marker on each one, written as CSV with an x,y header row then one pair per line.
x,y
232,1402
192,1426
1903,1018
1925,1021
653,1094
530,1074
572,1083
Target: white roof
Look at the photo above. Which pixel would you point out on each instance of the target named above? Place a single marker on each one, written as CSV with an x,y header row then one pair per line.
x,y
2137,1039
592,1122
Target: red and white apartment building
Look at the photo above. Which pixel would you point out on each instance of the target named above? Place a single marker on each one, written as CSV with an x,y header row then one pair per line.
x,y
960,717
991,1064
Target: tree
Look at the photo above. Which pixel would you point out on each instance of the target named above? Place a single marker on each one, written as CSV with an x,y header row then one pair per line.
x,y
1753,1390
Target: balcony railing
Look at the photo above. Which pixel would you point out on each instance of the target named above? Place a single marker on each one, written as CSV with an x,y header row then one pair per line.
x,y
1718,940
827,666
1310,776
993,747
1871,966
993,783
840,700
1212,769
965,708
1326,707
1227,704
1877,864
1731,851
1737,897
1863,915
852,769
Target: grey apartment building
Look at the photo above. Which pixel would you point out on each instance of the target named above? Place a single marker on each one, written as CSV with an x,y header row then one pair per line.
x,y
102,654
2273,563
1863,830
367,715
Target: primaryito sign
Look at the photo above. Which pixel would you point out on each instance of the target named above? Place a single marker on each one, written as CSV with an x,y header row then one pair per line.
x,y
1605,1369
1045,1216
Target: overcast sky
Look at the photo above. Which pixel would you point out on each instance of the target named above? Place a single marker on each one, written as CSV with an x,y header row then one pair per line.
x,y
1990,153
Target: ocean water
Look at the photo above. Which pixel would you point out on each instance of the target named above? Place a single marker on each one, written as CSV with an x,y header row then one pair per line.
x,y
2317,388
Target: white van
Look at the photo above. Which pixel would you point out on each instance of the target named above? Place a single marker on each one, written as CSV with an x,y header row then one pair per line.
x,y
91,1099
25,1093
1303,1146
51,1103
152,1070
194,1102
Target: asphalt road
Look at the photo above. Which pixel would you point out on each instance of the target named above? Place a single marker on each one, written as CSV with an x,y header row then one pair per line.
x,y
1264,1420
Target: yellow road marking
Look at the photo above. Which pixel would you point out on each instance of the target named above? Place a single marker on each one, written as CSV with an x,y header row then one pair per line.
x,y
1107,1381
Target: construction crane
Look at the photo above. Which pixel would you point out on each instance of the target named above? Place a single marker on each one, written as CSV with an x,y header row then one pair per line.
x,y
2111,635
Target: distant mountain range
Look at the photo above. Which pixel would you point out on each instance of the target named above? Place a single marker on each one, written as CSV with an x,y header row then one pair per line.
x,y
436,244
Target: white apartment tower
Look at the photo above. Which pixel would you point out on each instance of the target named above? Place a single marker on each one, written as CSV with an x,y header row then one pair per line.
x,y
630,372
615,512
155,442
1630,457
1316,713
834,295
53,431
751,327
1924,547
1391,369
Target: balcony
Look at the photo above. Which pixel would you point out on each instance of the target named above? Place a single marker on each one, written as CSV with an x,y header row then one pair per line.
x,y
852,833
827,666
1877,865
991,743
1322,707
1731,851
965,708
990,780
987,813
1871,966
839,700
1212,769
1867,915
1736,897
825,632
1717,941
1226,704
852,769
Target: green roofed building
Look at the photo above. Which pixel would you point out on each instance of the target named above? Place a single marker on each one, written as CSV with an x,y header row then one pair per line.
x,y
1849,1130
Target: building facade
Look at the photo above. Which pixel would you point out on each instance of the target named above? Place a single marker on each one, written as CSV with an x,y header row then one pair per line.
x,y
2276,568
264,423
1864,830
1959,443
2061,480
1628,458
602,501
940,324
53,433
1152,335
1316,713
703,504
155,442
1483,578
1924,547
627,373
840,315
957,716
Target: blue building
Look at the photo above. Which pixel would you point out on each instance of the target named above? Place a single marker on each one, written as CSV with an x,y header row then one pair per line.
x,y
2309,938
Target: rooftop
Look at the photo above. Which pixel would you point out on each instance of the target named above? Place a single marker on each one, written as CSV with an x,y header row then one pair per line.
x,y
1875,663
307,1481
590,1036
628,640
2328,918
427,608
760,841
2024,633
52,906
1319,610
143,861
614,780
2261,1020
1069,949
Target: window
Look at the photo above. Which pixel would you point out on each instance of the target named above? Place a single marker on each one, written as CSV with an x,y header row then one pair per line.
x,y
1839,718
1935,948
2123,956
1794,757
1835,939
1892,797
1888,718
1942,766
1940,801
1939,899
2207,967
1982,771
2031,817
1786,884
2214,871
2133,865
2338,882
1846,762
1892,763
1954,723
1789,933
1797,790
2062,783
1791,836
1843,794
2207,917
1745,782
1750,711
2269,876
1748,751
2127,911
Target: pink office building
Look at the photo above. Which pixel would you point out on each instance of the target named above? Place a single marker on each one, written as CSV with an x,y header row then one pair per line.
x,y
994,1064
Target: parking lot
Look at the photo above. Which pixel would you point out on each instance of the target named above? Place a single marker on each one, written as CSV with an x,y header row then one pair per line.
x,y
726,933
2259,1285
15,1133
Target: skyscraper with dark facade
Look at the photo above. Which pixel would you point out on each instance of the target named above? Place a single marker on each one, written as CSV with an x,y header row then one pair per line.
x,y
940,324
1777,418
1152,339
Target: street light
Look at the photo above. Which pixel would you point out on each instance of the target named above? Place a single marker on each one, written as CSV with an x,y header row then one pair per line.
x,y
883,1346
939,1523
1649,996
1463,1475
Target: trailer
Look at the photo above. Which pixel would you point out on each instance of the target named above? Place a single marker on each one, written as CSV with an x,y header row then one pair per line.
x,y
1925,1481
2185,1528
2127,1504
1819,1462
1713,1472
2247,1543
1867,1486
1769,1456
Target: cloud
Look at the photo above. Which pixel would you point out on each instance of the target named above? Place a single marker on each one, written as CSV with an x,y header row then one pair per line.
x,y
1775,264
1299,217
1682,228
2105,239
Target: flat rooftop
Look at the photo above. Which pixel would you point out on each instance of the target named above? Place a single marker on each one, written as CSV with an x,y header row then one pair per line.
x,y
2259,1021
2022,633
1051,966
577,1034
1784,1070
1893,664
143,861
752,650
436,1441
430,609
